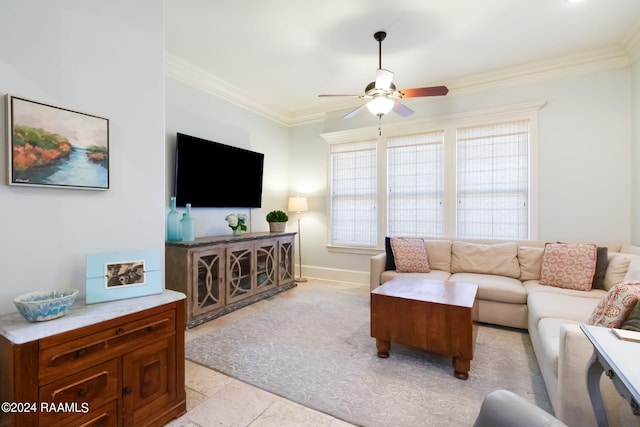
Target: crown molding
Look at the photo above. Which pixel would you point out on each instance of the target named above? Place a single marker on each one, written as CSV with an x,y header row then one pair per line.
x,y
566,66
188,73
554,69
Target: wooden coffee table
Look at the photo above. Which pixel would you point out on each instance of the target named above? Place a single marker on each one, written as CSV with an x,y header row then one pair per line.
x,y
433,315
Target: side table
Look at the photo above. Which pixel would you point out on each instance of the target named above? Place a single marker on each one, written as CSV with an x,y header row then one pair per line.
x,y
619,360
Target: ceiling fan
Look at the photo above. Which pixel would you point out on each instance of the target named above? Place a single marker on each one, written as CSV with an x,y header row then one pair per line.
x,y
383,94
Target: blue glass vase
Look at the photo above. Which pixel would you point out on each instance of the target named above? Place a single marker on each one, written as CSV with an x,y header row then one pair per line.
x,y
187,226
173,222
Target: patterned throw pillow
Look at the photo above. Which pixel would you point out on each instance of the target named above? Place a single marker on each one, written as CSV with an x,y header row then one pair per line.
x,y
410,255
614,308
568,265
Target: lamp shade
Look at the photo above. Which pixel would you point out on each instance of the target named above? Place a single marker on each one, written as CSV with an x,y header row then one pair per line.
x,y
380,105
298,204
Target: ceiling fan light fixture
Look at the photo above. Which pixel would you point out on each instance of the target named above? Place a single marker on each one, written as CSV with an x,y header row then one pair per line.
x,y
383,92
380,105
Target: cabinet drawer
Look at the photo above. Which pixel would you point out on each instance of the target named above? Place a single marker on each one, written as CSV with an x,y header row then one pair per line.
x,y
105,416
86,351
76,394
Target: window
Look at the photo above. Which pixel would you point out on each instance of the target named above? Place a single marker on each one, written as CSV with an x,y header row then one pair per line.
x,y
415,185
493,181
354,194
470,175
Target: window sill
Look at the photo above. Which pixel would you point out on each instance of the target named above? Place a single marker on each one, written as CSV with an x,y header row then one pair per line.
x,y
354,250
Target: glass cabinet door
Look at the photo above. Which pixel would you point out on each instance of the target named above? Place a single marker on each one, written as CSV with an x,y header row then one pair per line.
x,y
286,261
240,262
208,281
266,276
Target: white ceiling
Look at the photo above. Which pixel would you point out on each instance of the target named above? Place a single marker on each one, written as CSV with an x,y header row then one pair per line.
x,y
277,56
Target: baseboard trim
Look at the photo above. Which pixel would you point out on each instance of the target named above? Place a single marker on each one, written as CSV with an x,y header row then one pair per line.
x,y
336,274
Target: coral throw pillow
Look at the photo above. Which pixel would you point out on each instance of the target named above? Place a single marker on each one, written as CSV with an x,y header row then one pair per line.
x,y
568,265
614,308
410,255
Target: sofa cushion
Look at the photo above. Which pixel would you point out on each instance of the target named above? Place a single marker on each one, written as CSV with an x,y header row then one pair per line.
x,y
494,288
630,249
499,259
534,286
410,255
543,305
633,321
530,260
617,268
433,275
439,254
549,336
615,307
633,272
602,261
568,265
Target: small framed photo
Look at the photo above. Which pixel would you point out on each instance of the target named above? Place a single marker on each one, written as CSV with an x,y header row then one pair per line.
x,y
51,146
121,275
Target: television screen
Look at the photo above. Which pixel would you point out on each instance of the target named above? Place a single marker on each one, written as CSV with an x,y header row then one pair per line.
x,y
204,180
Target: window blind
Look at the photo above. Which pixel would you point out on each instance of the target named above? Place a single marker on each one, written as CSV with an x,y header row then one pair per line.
x,y
415,185
493,181
354,194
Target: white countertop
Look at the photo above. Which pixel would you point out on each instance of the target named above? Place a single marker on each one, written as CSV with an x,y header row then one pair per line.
x,y
18,330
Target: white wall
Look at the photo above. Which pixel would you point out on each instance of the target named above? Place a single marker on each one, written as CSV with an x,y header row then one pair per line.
x,y
107,59
101,58
635,157
192,111
584,161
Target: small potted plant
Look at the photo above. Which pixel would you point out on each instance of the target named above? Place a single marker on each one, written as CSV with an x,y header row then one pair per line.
x,y
277,221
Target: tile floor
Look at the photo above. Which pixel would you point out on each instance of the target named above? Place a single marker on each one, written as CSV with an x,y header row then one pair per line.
x,y
214,399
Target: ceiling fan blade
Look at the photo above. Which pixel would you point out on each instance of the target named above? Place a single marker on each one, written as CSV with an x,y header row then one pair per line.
x,y
339,94
354,112
425,91
401,110
383,79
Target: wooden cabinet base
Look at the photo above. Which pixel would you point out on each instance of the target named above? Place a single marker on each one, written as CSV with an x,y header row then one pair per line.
x,y
220,274
240,304
125,371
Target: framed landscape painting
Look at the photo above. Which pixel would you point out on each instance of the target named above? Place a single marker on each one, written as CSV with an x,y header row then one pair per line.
x,y
55,147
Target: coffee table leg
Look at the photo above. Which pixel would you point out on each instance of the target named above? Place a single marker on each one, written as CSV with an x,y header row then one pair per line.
x,y
383,348
461,367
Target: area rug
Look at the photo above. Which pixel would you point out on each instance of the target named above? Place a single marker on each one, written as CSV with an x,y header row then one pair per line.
x,y
313,347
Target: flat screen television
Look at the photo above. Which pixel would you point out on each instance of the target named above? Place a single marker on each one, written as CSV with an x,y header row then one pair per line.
x,y
209,174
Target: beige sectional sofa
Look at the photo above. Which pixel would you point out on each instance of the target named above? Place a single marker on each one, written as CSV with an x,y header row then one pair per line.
x,y
510,294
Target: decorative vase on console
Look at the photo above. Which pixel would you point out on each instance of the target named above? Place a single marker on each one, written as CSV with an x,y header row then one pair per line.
x,y
173,222
187,226
236,223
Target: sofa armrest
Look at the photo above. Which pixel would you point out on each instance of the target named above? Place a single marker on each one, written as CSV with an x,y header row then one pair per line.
x,y
378,263
503,408
574,406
